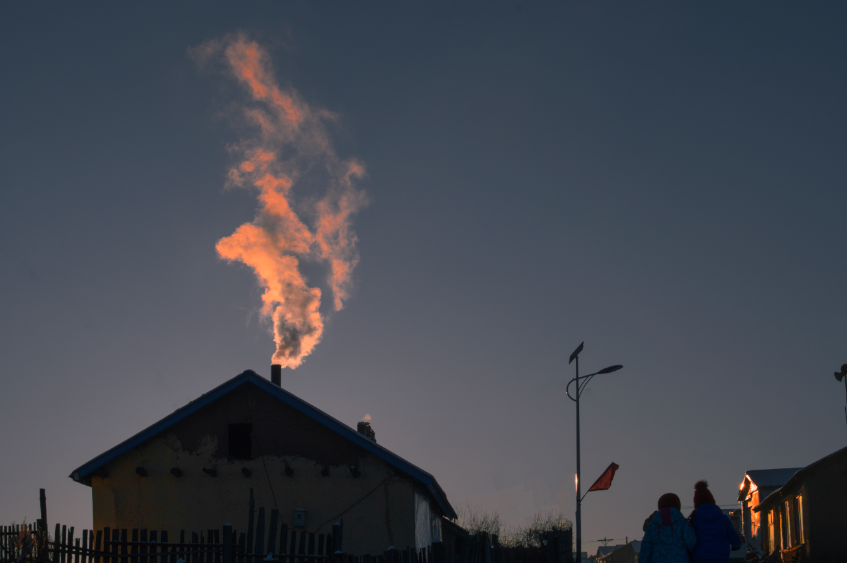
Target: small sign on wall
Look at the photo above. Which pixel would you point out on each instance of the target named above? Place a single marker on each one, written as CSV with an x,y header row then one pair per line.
x,y
299,517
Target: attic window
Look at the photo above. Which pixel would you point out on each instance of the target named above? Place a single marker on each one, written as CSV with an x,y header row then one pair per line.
x,y
240,440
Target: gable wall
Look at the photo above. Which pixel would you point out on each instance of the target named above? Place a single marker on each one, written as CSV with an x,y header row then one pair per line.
x,y
382,498
825,496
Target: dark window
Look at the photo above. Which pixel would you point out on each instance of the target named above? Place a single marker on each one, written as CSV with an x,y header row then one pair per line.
x,y
240,441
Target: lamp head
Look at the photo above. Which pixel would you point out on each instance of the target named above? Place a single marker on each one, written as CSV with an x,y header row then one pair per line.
x,y
576,352
840,375
610,369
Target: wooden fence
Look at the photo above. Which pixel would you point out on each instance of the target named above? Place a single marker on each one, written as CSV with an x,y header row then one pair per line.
x,y
24,544
270,541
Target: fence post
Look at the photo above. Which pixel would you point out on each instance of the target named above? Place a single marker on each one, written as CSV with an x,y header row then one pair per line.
x,y
337,530
438,552
565,541
259,548
272,529
242,548
97,544
551,548
250,544
42,524
227,543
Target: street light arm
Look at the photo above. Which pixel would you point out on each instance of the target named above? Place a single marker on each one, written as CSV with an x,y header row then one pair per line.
x,y
581,386
567,390
584,383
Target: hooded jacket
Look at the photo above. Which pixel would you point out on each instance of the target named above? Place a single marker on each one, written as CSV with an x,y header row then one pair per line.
x,y
715,534
668,539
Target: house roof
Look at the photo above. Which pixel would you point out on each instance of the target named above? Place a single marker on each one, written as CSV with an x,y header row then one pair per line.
x,y
84,473
798,475
606,549
771,477
765,478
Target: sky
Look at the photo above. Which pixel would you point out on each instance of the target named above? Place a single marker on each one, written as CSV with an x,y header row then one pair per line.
x,y
664,181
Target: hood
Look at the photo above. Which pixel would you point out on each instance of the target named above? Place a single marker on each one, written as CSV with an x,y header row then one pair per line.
x,y
708,512
667,532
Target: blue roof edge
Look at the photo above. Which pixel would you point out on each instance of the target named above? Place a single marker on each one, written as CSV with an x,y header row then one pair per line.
x,y
250,377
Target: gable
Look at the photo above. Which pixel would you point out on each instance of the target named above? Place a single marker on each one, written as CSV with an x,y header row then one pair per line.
x,y
284,424
270,428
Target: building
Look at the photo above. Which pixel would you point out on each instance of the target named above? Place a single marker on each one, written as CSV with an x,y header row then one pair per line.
x,y
604,550
756,486
626,553
196,469
804,519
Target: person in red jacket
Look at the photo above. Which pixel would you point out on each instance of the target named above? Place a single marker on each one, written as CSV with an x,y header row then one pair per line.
x,y
715,534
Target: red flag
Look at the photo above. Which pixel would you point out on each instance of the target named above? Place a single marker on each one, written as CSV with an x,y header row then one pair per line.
x,y
605,480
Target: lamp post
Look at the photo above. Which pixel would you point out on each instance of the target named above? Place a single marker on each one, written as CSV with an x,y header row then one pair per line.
x,y
579,388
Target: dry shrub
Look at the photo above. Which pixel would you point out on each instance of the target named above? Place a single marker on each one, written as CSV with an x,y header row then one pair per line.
x,y
477,521
26,543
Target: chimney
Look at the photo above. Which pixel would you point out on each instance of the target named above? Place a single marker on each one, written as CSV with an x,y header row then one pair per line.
x,y
276,375
365,429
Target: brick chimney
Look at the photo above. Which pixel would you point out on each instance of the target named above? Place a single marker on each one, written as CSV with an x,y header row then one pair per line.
x,y
276,375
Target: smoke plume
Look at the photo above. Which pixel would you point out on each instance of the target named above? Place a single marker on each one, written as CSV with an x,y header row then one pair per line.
x,y
306,194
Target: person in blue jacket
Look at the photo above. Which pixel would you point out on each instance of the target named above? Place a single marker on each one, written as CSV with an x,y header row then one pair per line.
x,y
715,534
669,537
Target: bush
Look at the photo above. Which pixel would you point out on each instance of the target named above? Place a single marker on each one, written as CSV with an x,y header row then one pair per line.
x,y
477,521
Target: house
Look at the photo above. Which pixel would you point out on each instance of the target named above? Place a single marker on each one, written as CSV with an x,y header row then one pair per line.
x,y
196,469
804,518
604,550
756,486
626,553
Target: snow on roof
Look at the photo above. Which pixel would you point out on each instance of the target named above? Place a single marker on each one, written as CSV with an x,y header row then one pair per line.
x,y
771,477
797,475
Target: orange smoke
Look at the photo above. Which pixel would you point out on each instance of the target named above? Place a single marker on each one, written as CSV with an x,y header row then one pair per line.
x,y
291,146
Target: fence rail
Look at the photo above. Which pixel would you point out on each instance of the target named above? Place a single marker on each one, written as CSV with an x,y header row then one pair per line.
x,y
25,543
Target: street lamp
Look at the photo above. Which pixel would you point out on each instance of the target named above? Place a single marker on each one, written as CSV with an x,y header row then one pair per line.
x,y
579,389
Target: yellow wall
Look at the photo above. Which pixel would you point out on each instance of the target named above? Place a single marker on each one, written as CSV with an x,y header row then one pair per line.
x,y
382,499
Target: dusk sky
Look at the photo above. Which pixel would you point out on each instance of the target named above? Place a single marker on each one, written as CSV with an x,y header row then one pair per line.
x,y
665,181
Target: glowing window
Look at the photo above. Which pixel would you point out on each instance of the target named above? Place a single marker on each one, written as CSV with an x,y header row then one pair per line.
x,y
799,519
786,534
771,535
